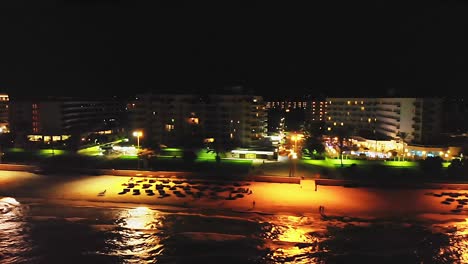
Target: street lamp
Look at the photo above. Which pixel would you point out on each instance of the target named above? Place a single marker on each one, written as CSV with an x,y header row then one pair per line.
x,y
138,134
295,138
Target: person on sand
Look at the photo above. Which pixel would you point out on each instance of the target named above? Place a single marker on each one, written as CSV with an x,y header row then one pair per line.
x,y
321,208
253,204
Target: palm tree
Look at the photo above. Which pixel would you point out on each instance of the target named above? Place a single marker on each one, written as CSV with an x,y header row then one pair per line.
x,y
403,136
343,132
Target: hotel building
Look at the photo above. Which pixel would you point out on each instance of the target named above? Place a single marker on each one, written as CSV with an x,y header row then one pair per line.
x,y
4,113
56,118
418,120
176,119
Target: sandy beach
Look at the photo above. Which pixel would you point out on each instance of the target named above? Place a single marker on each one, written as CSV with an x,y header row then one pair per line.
x,y
259,197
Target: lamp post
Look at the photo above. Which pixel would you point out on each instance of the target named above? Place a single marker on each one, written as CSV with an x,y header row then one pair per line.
x,y
138,134
294,138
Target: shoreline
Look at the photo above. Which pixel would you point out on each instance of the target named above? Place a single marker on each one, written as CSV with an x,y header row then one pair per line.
x,y
270,198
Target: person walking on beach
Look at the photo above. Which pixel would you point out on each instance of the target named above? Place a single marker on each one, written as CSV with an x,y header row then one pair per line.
x,y
253,204
321,209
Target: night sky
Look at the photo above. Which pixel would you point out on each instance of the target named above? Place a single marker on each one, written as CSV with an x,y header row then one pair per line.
x,y
380,48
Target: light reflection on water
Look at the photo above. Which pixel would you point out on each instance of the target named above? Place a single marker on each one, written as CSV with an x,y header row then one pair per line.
x,y
14,237
457,245
39,233
135,238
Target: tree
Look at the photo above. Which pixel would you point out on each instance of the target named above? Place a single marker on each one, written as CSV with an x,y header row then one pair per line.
x,y
431,166
314,146
455,169
343,132
189,156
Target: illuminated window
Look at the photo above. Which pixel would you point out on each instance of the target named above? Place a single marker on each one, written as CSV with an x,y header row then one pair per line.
x,y
349,102
169,127
362,108
34,137
193,120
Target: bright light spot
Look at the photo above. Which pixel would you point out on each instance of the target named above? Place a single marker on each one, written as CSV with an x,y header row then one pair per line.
x,y
9,200
139,218
137,133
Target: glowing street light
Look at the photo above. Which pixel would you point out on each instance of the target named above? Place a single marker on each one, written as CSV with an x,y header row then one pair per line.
x,y
138,134
295,138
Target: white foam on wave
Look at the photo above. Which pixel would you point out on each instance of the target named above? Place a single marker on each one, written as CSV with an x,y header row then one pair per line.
x,y
201,236
9,200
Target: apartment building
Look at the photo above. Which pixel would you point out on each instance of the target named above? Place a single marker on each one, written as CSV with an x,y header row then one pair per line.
x,y
289,114
4,113
417,120
56,118
181,119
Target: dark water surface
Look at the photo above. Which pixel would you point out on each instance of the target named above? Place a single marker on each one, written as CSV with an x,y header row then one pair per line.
x,y
50,233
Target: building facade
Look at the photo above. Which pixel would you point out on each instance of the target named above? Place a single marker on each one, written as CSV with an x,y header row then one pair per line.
x,y
417,120
185,119
56,118
4,113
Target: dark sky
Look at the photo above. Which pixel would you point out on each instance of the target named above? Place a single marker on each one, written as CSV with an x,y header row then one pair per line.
x,y
378,48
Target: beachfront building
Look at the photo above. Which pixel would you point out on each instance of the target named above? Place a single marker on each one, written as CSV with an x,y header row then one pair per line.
x,y
416,120
4,113
57,118
393,149
287,105
221,120
289,113
284,114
